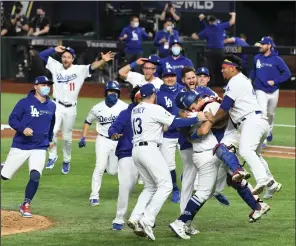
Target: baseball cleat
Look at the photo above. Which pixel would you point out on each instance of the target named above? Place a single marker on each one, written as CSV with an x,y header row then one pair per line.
x,y
25,211
270,137
66,167
136,228
239,175
178,227
190,228
117,227
147,229
176,196
258,189
94,202
257,214
222,199
50,163
275,187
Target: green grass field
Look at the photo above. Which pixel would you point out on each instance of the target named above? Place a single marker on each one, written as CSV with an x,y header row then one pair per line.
x,y
64,199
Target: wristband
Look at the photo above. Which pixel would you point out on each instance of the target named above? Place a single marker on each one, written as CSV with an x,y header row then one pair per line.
x,y
133,64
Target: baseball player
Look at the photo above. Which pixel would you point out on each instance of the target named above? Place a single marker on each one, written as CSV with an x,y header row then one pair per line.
x,y
104,113
241,103
148,120
68,80
33,119
189,79
148,67
166,98
121,130
203,76
268,73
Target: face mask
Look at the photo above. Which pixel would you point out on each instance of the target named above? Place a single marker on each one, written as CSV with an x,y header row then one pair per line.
x,y
176,51
44,90
111,100
168,28
136,24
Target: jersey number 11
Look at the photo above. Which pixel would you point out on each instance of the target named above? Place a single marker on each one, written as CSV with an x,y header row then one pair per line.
x,y
72,86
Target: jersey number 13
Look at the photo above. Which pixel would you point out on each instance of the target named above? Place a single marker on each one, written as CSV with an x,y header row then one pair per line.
x,y
137,126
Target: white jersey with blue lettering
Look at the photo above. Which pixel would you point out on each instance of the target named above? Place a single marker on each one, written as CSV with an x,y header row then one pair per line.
x,y
67,82
148,121
105,116
139,79
240,90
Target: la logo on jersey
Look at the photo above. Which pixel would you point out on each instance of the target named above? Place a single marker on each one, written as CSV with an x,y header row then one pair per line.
x,y
168,102
135,36
34,111
258,64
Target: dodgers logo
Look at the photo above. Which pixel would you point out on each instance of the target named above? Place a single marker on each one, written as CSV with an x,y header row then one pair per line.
x,y
34,111
135,36
168,102
66,78
106,120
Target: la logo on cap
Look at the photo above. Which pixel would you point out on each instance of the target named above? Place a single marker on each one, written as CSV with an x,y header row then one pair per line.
x,y
203,69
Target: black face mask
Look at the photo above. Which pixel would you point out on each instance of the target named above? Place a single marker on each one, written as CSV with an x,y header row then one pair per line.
x,y
18,10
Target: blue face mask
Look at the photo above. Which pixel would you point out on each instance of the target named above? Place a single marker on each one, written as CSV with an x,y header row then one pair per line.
x,y
176,50
44,90
111,99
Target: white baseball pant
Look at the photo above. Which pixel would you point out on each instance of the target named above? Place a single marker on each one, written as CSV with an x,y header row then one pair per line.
x,y
105,152
17,157
254,130
168,151
157,182
127,176
268,103
65,119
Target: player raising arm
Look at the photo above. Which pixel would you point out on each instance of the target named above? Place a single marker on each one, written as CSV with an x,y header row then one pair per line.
x,y
68,80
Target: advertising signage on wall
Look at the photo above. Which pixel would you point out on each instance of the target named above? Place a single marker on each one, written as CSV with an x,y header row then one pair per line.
x,y
204,6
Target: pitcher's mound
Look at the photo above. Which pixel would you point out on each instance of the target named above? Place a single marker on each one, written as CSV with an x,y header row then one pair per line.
x,y
12,222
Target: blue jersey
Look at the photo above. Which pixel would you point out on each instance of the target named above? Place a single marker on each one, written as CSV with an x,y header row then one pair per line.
x,y
29,112
166,98
176,64
122,125
267,68
203,90
162,49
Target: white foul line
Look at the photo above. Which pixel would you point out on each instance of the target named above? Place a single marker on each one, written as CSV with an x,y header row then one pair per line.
x,y
292,126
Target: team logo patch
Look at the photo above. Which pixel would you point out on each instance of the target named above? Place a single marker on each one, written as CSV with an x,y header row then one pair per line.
x,y
34,111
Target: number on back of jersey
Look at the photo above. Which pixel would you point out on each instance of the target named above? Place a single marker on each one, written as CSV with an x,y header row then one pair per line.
x,y
137,126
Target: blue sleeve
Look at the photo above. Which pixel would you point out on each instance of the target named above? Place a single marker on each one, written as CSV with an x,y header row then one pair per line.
x,y
226,103
122,32
176,35
119,124
179,122
224,25
284,70
190,63
16,116
157,39
202,34
204,23
46,53
194,136
252,74
145,34
50,132
90,70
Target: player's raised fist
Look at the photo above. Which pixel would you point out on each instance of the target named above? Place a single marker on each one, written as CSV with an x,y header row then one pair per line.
x,y
60,49
232,13
201,116
28,132
116,136
141,61
108,56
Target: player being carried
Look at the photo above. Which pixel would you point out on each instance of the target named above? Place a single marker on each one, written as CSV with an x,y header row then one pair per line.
x,y
104,113
68,80
33,119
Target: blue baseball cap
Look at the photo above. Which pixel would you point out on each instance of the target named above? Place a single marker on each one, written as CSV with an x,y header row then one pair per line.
x,y
176,41
154,59
168,71
42,80
203,70
186,99
147,90
266,40
70,50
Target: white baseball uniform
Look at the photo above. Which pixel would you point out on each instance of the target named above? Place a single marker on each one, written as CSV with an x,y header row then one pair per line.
x,y
147,123
205,164
252,125
139,79
105,147
66,88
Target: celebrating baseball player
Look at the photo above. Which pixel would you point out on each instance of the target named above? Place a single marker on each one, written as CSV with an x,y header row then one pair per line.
x,y
268,73
241,103
166,98
68,80
104,113
33,119
121,130
148,67
148,121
